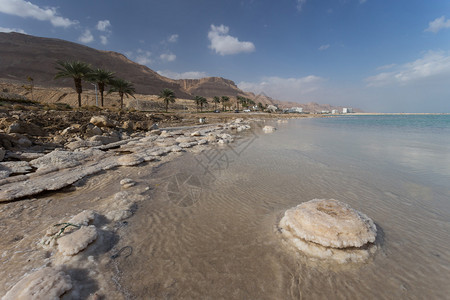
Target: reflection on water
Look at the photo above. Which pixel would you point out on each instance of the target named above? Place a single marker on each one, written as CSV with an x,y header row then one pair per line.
x,y
223,242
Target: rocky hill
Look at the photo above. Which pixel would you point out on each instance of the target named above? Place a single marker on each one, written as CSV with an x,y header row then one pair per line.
x,y
23,55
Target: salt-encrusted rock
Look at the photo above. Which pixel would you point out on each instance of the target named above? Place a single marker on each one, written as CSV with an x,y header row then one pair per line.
x,y
211,137
268,129
187,145
46,283
77,241
222,142
104,139
202,142
330,223
130,160
101,121
196,133
329,228
15,167
59,159
184,139
83,218
82,144
176,148
166,133
118,215
239,120
127,183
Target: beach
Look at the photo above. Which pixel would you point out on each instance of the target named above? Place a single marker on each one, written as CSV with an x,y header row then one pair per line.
x,y
204,224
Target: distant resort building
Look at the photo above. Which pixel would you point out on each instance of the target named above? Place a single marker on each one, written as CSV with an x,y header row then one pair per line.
x,y
335,111
347,110
298,110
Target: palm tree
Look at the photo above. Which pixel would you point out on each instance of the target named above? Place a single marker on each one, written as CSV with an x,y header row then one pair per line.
x,y
122,87
260,106
216,100
102,78
74,69
200,101
242,100
224,99
168,96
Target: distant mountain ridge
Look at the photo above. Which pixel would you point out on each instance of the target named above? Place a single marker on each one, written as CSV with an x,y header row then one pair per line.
x,y
24,55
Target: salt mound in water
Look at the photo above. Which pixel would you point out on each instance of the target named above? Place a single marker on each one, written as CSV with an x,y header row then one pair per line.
x,y
47,283
330,229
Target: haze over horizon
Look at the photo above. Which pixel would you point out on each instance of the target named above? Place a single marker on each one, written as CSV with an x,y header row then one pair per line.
x,y
380,56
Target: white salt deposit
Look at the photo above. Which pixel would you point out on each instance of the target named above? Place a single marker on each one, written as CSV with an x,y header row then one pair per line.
x,y
76,241
47,283
329,228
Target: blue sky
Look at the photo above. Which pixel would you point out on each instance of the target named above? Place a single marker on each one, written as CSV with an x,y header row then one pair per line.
x,y
378,55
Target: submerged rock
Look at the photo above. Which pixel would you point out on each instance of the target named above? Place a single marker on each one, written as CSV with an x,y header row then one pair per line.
x,y
329,229
77,241
268,129
47,283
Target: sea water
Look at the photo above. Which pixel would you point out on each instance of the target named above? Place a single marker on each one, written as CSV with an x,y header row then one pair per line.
x,y
209,229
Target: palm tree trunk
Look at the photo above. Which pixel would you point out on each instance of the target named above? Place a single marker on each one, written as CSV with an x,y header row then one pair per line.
x,y
121,101
79,99
167,105
101,97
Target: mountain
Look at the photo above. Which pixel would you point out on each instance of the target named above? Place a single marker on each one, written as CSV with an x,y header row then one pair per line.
x,y
24,55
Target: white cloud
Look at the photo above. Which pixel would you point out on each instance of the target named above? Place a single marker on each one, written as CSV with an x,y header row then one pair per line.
x,y
324,47
173,38
168,56
143,57
300,4
26,9
86,37
185,75
292,89
438,24
103,40
225,44
431,64
103,25
5,29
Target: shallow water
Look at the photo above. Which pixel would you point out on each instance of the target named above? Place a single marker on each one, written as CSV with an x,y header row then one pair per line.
x,y
209,229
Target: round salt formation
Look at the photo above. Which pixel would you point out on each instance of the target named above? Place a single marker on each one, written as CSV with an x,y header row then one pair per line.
x,y
330,229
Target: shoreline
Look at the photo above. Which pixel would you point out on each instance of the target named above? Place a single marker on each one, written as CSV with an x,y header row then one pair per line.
x,y
96,185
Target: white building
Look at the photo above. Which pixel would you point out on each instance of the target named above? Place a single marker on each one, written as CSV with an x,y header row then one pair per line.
x,y
347,110
295,110
335,112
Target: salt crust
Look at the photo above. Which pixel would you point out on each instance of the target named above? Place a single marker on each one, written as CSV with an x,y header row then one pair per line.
x,y
268,129
47,283
330,223
76,241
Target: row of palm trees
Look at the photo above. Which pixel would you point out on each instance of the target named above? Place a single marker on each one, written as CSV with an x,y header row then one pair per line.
x,y
80,71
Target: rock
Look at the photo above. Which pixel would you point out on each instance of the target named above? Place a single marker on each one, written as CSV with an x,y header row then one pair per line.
x,y
165,133
94,131
268,129
202,142
2,154
59,160
238,120
176,148
196,133
155,132
101,121
128,125
83,218
184,139
329,228
14,128
127,183
188,145
46,283
118,215
25,128
70,130
16,167
77,241
130,160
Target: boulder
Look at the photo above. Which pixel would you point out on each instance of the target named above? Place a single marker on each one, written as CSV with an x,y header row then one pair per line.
x,y
59,160
46,283
101,121
2,154
130,160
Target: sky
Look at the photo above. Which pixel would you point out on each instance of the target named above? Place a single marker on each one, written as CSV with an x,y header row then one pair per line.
x,y
376,55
